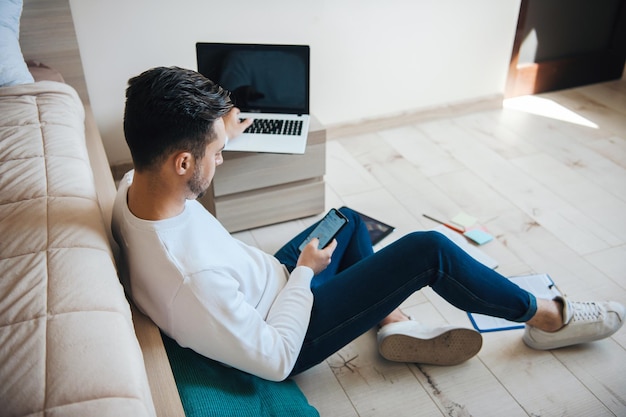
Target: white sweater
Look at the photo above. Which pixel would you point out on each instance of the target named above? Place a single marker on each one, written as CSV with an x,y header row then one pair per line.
x,y
212,293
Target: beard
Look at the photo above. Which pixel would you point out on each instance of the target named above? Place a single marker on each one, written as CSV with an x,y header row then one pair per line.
x,y
197,185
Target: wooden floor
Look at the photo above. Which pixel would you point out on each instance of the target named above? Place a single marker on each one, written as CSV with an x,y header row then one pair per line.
x,y
552,189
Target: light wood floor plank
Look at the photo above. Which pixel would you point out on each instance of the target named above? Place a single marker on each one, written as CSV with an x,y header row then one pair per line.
x,y
324,392
540,383
539,202
601,369
468,389
593,201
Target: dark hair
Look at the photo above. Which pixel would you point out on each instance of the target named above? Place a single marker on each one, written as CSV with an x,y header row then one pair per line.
x,y
170,110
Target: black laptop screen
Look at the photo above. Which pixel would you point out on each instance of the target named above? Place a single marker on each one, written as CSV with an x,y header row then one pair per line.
x,y
261,78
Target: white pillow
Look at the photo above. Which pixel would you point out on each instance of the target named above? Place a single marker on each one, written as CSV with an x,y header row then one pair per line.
x,y
13,69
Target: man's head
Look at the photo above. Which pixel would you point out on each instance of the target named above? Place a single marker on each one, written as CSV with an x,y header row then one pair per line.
x,y
170,110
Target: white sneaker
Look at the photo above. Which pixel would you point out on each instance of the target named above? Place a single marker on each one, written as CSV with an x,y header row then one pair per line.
x,y
583,322
410,341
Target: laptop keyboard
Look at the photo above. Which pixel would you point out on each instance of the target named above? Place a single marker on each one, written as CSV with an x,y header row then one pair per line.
x,y
276,127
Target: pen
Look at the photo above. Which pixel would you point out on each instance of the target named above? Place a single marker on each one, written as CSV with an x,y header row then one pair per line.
x,y
448,225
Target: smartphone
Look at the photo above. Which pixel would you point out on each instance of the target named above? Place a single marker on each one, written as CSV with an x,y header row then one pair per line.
x,y
326,229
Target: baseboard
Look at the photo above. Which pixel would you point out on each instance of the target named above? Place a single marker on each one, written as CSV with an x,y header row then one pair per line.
x,y
339,130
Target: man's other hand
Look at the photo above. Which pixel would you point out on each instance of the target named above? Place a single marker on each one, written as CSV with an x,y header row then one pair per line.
x,y
234,126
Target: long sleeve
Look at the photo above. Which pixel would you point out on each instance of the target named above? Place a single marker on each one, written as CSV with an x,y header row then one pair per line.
x,y
211,316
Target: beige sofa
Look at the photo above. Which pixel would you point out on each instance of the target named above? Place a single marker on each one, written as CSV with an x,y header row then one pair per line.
x,y
68,345
70,342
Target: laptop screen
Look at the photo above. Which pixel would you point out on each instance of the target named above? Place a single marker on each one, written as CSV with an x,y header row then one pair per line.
x,y
261,78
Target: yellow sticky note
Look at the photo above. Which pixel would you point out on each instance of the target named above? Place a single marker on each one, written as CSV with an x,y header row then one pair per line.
x,y
464,220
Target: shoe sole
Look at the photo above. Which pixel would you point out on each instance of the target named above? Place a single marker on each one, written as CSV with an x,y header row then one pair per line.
x,y
449,348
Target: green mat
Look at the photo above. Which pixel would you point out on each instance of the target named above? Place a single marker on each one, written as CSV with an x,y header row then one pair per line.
x,y
207,388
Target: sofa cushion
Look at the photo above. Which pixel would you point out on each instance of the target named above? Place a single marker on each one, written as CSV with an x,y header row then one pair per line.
x,y
208,388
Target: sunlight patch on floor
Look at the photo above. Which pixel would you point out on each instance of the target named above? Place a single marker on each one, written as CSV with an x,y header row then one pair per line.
x,y
547,108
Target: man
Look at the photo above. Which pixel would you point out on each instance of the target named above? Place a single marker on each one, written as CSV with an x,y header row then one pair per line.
x,y
275,316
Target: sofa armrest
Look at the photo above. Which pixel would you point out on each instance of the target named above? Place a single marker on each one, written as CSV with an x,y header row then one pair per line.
x,y
103,178
164,392
160,378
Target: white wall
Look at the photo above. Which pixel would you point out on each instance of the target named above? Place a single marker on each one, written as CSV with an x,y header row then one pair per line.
x,y
369,58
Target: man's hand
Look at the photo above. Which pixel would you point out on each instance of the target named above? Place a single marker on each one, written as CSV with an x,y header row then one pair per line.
x,y
314,258
234,126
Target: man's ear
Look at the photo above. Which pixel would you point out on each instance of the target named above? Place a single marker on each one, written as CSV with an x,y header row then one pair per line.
x,y
183,162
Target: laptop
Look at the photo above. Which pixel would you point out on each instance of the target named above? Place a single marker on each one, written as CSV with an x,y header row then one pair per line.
x,y
269,83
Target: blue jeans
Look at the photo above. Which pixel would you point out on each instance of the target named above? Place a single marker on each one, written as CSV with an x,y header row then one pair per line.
x,y
360,288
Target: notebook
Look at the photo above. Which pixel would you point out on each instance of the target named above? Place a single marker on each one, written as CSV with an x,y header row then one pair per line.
x,y
269,83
